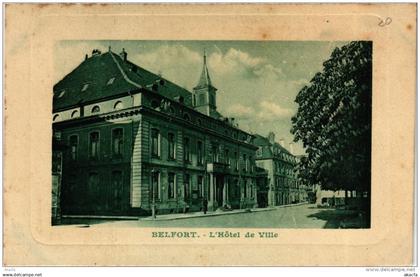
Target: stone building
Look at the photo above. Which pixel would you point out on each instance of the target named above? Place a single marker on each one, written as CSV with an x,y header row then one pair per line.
x,y
137,143
283,185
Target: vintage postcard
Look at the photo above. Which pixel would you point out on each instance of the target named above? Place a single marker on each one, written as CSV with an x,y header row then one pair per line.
x,y
185,134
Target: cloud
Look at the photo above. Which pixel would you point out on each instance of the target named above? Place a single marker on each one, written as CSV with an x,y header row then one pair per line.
x,y
176,63
270,111
240,111
240,63
266,111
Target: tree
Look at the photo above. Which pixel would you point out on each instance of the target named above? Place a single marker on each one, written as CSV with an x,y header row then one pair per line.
x,y
333,121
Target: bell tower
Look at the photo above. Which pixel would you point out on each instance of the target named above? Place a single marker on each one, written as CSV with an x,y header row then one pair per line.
x,y
204,94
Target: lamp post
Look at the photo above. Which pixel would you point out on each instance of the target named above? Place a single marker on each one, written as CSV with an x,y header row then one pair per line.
x,y
153,194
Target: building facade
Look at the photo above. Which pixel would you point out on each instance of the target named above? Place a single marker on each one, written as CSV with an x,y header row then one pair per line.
x,y
138,143
283,185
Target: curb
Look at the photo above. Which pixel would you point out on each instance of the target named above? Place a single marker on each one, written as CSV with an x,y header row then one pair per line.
x,y
100,217
221,213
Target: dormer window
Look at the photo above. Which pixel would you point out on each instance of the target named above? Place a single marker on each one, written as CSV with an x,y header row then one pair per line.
x,y
96,109
85,87
110,81
61,93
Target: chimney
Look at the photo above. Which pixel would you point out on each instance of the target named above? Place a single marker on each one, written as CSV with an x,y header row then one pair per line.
x,y
282,142
292,148
86,57
271,137
123,55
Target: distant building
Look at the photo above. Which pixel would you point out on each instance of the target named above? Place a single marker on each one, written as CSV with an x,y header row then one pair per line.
x,y
283,185
262,187
138,142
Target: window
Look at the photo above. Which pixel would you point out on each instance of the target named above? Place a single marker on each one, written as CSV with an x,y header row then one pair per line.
x,y
200,186
186,186
259,152
116,190
199,152
73,147
245,161
171,185
93,184
110,81
187,150
236,161
94,145
212,100
155,190
199,122
75,114
85,87
171,110
227,158
250,164
155,143
62,93
117,142
201,99
171,146
118,105
215,153
56,117
96,109
245,187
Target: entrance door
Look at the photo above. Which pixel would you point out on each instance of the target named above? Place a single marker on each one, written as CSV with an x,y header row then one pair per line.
x,y
219,190
116,193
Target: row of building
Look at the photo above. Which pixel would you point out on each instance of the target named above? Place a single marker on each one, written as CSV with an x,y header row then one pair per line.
x,y
129,142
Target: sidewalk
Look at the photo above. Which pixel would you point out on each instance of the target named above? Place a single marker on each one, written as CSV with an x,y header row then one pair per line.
x,y
214,213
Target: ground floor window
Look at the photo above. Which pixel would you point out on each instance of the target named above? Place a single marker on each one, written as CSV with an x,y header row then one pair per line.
x,y
200,185
155,185
186,186
171,185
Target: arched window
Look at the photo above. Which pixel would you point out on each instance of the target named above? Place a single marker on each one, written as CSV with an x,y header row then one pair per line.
x,y
75,114
56,117
118,105
96,109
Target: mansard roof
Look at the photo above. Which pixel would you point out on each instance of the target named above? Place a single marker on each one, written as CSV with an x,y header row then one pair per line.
x,y
106,75
268,152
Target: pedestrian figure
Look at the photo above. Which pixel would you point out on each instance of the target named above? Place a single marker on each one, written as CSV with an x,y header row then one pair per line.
x,y
205,205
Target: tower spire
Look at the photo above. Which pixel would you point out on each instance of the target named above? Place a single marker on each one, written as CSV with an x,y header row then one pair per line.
x,y
204,80
204,93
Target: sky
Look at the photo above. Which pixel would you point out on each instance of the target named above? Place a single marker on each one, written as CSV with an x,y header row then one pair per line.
x,y
257,81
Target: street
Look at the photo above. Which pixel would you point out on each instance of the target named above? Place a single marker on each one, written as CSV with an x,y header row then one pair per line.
x,y
301,216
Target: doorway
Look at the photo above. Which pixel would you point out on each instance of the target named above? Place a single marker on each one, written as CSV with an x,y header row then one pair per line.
x,y
219,189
